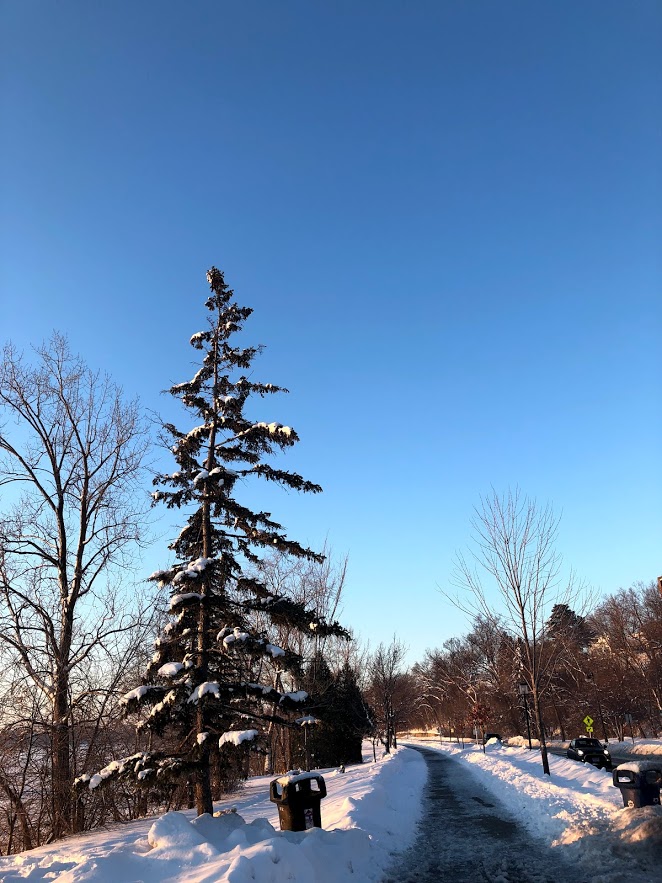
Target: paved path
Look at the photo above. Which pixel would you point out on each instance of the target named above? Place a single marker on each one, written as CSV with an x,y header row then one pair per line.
x,y
468,836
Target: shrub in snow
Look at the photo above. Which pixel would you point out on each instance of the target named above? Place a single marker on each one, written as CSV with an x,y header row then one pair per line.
x,y
204,682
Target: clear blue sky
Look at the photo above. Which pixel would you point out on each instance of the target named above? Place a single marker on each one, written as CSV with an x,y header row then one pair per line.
x,y
446,215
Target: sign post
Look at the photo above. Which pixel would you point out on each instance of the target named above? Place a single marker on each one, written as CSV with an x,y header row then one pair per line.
x,y
588,723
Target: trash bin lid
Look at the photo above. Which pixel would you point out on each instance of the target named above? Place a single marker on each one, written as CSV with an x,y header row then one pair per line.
x,y
296,782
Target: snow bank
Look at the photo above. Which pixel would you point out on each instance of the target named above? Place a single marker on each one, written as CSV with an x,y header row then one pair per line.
x,y
641,746
639,766
371,812
522,742
577,809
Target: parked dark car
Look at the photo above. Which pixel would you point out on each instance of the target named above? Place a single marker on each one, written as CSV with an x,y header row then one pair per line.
x,y
589,750
488,736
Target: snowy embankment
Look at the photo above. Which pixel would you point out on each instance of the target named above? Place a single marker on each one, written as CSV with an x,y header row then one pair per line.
x,y
371,811
641,746
576,810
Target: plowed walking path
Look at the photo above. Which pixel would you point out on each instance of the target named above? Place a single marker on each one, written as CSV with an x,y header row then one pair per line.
x,y
467,836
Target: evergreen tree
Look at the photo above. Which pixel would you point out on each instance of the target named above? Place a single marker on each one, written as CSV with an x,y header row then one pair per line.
x,y
353,720
319,684
343,718
564,625
204,683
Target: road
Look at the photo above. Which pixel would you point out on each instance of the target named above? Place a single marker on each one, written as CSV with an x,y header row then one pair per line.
x,y
615,758
466,834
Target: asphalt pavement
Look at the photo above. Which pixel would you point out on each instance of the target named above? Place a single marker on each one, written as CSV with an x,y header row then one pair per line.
x,y
467,835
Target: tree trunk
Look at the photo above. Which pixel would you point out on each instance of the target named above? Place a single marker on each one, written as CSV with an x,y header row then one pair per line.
x,y
20,814
559,721
541,734
61,762
203,795
288,748
204,802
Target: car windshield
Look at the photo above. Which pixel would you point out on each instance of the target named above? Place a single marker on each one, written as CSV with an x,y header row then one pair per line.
x,y
588,743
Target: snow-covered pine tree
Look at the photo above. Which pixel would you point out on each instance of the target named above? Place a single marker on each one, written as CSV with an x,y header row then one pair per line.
x,y
204,680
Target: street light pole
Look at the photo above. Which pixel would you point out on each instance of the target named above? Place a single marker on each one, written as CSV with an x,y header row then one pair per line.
x,y
523,690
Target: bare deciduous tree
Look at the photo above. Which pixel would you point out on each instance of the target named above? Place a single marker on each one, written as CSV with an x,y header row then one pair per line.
x,y
386,693
514,545
71,452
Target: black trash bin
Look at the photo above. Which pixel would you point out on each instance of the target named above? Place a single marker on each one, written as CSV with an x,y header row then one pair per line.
x,y
298,797
639,782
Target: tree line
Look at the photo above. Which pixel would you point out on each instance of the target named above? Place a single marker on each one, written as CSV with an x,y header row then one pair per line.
x,y
607,665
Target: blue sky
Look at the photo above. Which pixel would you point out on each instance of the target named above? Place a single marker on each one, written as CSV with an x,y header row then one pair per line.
x,y
447,217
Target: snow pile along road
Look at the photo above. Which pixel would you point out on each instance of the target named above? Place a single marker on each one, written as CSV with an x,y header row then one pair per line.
x,y
577,810
650,747
641,747
370,812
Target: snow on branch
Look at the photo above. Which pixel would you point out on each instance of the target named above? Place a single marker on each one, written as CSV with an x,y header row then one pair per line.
x,y
297,696
208,688
170,669
167,701
139,693
236,737
199,338
186,598
231,636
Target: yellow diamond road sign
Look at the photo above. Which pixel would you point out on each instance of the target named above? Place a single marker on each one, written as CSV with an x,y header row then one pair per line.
x,y
588,720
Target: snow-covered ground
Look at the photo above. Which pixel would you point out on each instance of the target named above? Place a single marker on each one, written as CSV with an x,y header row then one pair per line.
x,y
577,810
371,812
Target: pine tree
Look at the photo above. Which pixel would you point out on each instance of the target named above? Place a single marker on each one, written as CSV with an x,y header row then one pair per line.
x,y
318,682
353,721
566,625
204,681
341,713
